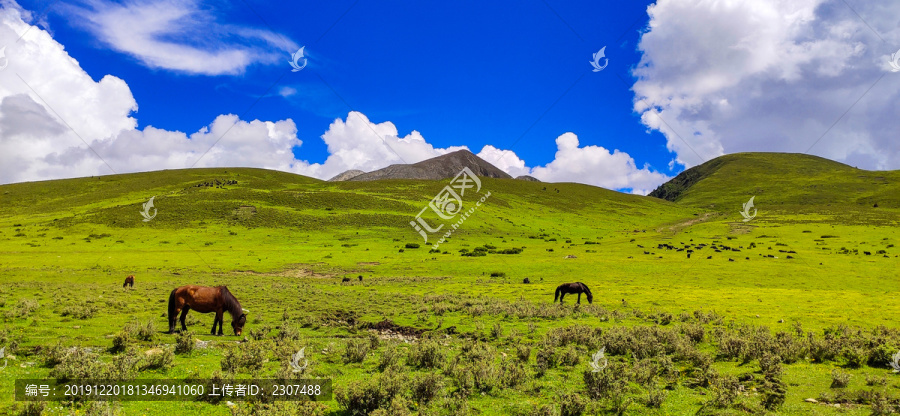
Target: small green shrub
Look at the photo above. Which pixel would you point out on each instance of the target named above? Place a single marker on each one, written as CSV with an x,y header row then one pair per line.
x,y
161,360
184,342
839,379
523,352
856,356
356,351
656,397
571,405
427,387
259,333
496,330
606,384
22,309
78,363
248,357
390,357
425,354
80,311
545,359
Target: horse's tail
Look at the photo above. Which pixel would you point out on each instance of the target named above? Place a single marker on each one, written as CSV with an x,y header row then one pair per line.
x,y
172,305
556,296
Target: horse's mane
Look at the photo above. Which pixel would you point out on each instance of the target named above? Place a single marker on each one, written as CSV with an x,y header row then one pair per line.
x,y
586,290
231,303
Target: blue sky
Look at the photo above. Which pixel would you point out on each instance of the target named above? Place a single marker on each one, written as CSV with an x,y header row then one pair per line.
x,y
512,76
461,73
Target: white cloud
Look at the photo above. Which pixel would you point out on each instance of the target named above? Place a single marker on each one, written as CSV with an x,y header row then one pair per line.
x,y
180,35
506,160
598,166
357,143
768,75
39,119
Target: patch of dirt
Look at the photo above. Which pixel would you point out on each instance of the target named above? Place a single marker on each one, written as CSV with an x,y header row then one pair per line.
x,y
368,263
387,329
294,271
244,211
741,228
679,226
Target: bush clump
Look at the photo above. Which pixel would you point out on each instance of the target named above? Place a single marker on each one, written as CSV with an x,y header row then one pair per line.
x,y
161,359
248,357
22,309
356,351
839,379
426,354
367,396
80,311
184,342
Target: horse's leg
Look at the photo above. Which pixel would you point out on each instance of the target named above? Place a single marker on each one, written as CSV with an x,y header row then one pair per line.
x,y
173,317
219,320
579,298
183,316
561,296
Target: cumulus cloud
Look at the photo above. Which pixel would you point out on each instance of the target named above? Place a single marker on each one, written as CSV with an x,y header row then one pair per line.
x,y
180,35
598,166
721,77
506,160
357,143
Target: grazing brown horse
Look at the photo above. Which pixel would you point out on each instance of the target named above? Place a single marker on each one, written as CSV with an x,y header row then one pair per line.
x,y
205,300
572,288
129,281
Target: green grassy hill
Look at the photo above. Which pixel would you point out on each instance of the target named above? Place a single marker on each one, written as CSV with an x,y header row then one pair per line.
x,y
812,278
792,182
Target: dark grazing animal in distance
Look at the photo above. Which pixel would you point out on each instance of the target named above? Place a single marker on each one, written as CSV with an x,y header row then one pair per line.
x,y
129,281
573,288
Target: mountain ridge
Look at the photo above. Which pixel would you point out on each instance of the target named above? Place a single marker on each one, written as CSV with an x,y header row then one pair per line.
x,y
440,167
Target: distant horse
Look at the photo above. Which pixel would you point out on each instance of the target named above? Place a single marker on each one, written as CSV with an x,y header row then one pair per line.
x,y
205,300
129,281
571,288
345,280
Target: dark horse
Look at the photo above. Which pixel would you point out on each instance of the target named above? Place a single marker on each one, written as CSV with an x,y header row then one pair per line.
x,y
205,300
570,288
129,281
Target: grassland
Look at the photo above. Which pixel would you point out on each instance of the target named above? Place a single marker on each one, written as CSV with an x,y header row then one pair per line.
x,y
282,244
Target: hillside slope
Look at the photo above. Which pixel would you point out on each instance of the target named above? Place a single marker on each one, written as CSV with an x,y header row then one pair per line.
x,y
260,198
798,181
